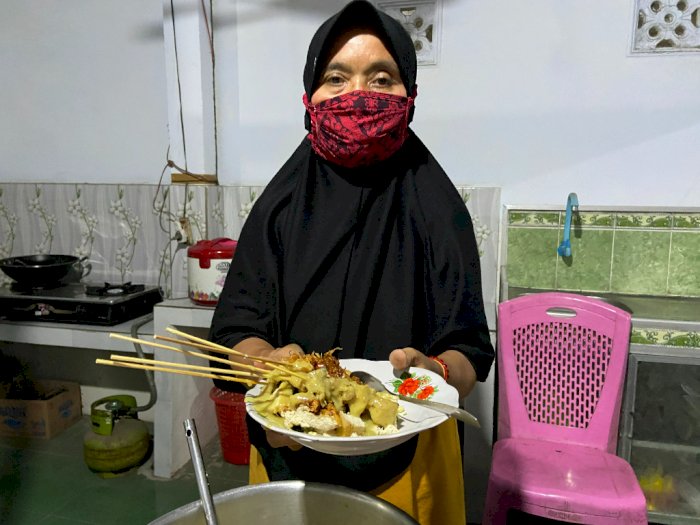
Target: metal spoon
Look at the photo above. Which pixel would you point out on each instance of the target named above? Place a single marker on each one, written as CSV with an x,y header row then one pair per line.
x,y
455,412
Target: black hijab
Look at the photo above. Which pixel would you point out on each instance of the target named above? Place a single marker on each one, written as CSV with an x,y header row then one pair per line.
x,y
366,259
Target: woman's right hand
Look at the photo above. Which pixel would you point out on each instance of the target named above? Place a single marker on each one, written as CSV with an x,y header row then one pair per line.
x,y
278,440
255,347
275,439
285,352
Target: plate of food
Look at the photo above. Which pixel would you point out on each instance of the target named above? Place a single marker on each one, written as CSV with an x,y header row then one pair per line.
x,y
314,401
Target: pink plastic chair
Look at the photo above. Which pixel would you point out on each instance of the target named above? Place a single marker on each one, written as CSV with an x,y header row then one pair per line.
x,y
561,366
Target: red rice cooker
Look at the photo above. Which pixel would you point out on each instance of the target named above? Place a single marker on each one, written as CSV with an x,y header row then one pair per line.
x,y
208,262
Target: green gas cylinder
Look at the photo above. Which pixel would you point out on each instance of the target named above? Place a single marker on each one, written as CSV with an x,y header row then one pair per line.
x,y
117,441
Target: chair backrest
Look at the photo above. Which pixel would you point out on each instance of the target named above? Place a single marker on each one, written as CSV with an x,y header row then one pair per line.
x,y
562,360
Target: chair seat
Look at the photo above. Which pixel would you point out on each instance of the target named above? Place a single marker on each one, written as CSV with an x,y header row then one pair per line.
x,y
571,478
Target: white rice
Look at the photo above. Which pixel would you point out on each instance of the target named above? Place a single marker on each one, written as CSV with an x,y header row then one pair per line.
x,y
304,418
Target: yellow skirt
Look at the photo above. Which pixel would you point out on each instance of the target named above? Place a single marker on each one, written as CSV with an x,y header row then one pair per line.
x,y
431,489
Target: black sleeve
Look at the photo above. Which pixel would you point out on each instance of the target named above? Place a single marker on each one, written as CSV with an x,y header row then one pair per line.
x,y
456,316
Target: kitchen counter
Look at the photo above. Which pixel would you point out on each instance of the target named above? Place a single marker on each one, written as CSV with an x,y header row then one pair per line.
x,y
76,335
647,310
180,397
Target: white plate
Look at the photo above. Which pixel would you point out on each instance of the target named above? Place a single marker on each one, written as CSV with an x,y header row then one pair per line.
x,y
412,420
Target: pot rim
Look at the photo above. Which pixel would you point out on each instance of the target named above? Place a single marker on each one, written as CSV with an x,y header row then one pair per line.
x,y
296,486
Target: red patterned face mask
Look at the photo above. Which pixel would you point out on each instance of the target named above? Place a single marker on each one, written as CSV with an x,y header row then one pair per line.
x,y
359,128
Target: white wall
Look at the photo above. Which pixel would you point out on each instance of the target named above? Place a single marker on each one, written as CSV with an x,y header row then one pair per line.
x,y
538,98
82,91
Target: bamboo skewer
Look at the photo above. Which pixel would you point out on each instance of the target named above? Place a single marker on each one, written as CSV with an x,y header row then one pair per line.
x,y
187,366
261,371
162,366
217,348
137,366
277,365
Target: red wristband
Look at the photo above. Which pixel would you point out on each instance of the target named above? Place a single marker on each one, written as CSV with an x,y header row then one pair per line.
x,y
443,365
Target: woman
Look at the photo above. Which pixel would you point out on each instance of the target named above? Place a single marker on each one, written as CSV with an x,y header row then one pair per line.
x,y
362,242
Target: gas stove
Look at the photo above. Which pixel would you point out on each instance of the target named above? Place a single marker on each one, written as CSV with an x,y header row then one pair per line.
x,y
80,303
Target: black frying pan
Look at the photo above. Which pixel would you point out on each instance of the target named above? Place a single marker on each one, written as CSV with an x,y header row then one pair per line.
x,y
39,270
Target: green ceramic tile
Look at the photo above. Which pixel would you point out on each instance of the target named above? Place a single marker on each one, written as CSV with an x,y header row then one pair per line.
x,y
644,220
640,262
18,515
684,277
589,266
99,503
44,494
58,520
532,257
533,218
46,482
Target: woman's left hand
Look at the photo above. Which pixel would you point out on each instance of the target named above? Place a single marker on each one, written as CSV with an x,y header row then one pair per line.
x,y
404,358
461,372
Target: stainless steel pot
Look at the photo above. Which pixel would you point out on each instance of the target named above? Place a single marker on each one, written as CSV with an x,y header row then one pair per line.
x,y
291,503
43,269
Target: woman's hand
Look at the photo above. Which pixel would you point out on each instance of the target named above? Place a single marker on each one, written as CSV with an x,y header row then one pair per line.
x,y
277,440
404,358
255,347
462,374
285,352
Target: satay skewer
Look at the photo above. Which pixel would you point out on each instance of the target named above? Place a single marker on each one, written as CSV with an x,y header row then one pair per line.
x,y
207,369
263,372
260,370
217,348
277,365
137,366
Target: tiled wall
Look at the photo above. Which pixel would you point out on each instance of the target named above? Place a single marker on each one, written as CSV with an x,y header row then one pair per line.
x,y
634,252
127,232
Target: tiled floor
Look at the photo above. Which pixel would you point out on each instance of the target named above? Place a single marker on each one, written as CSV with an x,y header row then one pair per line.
x,y
46,482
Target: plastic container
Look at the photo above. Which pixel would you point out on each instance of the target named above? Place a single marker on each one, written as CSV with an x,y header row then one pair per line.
x,y
233,432
208,262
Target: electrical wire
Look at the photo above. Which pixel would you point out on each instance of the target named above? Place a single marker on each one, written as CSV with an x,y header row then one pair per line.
x,y
208,23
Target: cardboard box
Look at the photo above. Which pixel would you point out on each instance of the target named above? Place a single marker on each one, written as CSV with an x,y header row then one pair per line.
x,y
42,418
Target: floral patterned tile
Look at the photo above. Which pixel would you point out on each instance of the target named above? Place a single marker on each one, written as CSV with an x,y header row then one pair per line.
x,y
134,232
537,218
665,337
484,205
112,226
690,220
8,223
644,220
596,219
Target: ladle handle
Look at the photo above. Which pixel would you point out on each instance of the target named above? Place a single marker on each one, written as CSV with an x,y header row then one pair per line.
x,y
200,473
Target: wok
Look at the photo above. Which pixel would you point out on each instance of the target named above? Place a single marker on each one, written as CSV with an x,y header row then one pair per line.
x,y
42,269
291,503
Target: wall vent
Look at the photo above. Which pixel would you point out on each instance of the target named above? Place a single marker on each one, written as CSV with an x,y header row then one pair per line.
x,y
666,26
